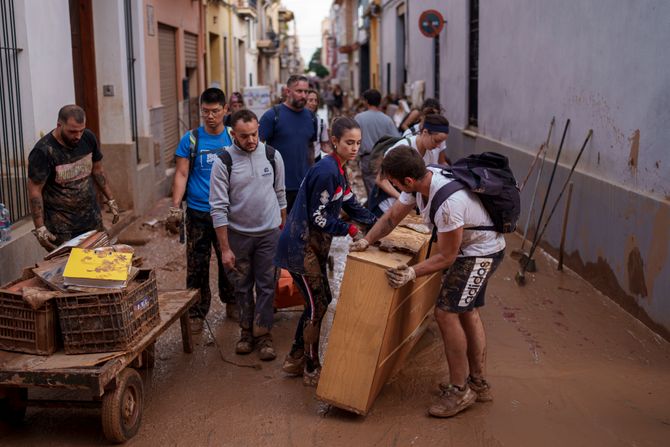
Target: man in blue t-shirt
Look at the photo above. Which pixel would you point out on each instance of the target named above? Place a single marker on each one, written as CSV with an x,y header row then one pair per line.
x,y
291,129
192,177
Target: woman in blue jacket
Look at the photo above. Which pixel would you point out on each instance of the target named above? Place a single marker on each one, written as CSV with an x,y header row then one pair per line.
x,y
305,241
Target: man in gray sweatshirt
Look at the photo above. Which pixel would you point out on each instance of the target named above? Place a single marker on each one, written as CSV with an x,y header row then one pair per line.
x,y
248,206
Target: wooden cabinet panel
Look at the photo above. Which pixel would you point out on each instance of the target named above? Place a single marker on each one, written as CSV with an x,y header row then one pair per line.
x,y
375,326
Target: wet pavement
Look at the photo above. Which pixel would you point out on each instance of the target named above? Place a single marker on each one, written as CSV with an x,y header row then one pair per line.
x,y
568,367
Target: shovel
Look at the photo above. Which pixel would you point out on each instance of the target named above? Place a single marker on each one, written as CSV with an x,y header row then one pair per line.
x,y
520,276
525,261
519,254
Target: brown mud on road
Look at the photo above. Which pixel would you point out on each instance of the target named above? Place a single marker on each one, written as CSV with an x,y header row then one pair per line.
x,y
568,367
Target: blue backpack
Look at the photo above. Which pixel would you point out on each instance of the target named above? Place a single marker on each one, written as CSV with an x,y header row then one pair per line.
x,y
489,176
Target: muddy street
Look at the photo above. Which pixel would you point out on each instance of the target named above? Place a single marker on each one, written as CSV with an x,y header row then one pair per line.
x,y
568,367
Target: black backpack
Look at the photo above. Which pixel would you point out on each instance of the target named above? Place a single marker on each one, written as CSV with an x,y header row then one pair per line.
x,y
382,145
489,176
269,154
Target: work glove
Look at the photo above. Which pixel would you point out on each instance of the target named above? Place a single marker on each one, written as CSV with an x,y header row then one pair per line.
x,y
400,275
45,238
114,209
173,222
361,244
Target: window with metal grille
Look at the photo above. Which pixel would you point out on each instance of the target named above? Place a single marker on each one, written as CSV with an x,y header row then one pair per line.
x,y
473,57
13,192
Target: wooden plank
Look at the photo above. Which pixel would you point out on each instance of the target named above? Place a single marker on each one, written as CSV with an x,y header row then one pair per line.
x,y
404,328
355,338
375,326
89,371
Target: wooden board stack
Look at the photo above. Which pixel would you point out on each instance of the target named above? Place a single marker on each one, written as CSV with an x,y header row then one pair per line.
x,y
375,326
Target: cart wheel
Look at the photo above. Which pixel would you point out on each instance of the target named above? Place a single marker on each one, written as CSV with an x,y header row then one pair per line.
x,y
13,405
149,357
122,407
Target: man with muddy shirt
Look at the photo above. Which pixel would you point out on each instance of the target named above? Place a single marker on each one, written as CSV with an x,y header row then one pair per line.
x,y
469,251
248,207
62,169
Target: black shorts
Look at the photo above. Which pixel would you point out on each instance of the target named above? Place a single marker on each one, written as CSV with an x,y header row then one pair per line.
x,y
464,283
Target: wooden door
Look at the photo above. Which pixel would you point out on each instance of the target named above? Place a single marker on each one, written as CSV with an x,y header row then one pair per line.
x,y
83,61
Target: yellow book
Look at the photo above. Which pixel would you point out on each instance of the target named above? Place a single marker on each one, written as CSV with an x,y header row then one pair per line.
x,y
97,268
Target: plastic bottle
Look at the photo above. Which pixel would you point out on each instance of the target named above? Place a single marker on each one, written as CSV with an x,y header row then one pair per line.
x,y
5,224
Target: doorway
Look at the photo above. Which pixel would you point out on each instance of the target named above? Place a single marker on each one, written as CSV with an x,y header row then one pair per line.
x,y
83,61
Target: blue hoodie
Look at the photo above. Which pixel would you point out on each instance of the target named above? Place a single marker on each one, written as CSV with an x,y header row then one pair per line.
x,y
323,193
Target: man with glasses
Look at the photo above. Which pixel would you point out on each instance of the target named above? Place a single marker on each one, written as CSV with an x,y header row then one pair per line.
x,y
291,129
195,155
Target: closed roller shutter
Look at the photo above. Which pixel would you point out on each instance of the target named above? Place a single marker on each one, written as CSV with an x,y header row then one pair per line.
x,y
190,50
167,45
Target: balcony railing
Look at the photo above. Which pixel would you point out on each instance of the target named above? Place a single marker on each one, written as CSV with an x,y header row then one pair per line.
x,y
246,8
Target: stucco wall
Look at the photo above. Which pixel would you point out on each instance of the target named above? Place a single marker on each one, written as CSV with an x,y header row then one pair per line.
x,y
605,68
219,22
421,64
388,50
46,84
45,64
111,69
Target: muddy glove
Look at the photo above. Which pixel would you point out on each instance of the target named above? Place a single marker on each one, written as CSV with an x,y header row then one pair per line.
x,y
400,275
174,219
45,238
361,244
114,209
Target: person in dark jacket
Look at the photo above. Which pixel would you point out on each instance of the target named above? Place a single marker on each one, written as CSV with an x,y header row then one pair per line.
x,y
305,241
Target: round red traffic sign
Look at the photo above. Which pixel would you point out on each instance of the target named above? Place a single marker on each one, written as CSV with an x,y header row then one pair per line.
x,y
431,23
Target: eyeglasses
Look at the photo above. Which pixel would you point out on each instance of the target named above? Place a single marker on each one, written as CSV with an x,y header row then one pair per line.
x,y
205,113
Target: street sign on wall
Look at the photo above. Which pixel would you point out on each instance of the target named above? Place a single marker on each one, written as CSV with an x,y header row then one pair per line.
x,y
431,23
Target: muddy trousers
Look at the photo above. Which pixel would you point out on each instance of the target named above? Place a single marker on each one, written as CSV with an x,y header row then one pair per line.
x,y
316,291
200,238
255,272
290,200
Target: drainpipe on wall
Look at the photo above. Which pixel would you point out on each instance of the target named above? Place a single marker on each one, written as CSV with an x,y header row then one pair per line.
x,y
230,49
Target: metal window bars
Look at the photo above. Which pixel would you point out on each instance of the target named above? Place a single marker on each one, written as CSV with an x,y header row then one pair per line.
x,y
13,191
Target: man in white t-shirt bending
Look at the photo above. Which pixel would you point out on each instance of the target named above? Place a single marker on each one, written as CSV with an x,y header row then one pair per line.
x,y
468,258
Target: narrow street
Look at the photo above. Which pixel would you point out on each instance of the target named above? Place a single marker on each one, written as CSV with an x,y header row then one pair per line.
x,y
568,367
540,109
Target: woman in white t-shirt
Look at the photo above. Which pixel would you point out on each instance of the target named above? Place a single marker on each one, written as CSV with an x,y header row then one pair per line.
x,y
433,134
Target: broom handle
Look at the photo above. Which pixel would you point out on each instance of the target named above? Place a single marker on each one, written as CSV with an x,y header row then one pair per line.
x,y
565,185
